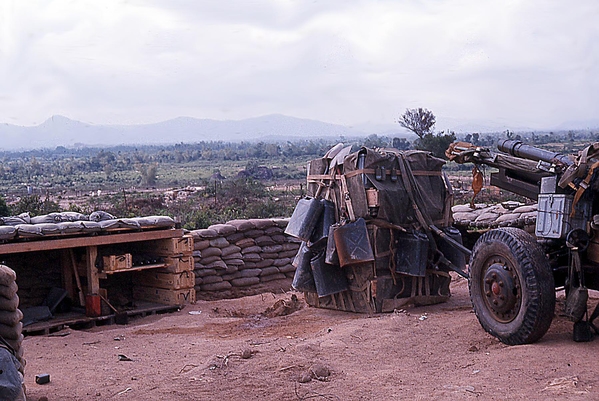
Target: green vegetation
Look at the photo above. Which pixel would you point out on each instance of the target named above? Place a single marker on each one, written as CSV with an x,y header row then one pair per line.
x,y
35,206
202,183
422,122
4,209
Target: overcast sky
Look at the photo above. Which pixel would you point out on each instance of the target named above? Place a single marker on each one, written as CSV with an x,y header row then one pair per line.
x,y
524,63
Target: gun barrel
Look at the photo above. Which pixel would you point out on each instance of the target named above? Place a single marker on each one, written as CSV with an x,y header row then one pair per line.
x,y
518,149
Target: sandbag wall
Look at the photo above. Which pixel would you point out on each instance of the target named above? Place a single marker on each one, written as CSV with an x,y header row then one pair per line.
x,y
234,258
10,314
506,214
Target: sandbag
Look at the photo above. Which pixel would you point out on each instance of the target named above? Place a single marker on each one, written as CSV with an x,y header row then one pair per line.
x,y
7,275
15,344
9,305
70,227
9,291
101,216
7,233
11,332
156,221
46,218
10,318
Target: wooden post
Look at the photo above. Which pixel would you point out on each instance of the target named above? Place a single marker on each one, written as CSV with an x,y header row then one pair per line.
x,y
67,273
77,279
93,278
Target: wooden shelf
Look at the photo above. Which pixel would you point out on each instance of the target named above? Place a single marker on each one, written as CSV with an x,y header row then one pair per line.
x,y
137,268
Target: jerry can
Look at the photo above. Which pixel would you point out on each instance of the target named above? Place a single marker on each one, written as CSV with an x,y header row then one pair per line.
x,y
352,243
303,280
329,279
411,255
304,218
326,220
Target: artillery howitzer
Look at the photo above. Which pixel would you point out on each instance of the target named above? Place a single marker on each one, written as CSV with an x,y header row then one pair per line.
x,y
513,273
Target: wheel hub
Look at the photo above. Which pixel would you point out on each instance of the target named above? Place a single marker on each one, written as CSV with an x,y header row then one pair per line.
x,y
501,291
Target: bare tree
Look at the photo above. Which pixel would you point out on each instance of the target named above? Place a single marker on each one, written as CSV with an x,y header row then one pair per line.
x,y
420,121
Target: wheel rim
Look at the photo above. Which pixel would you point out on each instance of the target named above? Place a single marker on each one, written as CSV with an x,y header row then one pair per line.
x,y
501,289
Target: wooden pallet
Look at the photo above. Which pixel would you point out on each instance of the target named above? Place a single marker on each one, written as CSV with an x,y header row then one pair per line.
x,y
78,321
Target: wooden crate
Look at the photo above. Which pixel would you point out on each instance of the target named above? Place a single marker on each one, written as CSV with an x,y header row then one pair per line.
x,y
118,262
168,281
183,296
173,246
177,264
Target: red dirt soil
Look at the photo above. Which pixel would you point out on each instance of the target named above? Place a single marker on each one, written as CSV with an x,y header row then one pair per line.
x,y
268,347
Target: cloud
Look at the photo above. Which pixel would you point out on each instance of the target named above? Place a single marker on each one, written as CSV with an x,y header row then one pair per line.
x,y
530,63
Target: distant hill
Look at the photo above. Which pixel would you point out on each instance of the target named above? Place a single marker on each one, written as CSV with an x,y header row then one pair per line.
x,y
579,125
62,131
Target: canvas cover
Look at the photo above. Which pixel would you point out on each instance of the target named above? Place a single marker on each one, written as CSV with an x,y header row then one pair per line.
x,y
410,193
395,205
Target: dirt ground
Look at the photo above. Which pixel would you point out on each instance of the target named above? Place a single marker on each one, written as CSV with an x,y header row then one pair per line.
x,y
248,349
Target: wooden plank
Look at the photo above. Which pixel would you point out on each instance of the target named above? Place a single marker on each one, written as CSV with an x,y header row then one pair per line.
x,y
76,242
137,268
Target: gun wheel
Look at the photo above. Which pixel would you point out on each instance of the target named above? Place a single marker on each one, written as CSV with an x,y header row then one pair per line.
x,y
511,286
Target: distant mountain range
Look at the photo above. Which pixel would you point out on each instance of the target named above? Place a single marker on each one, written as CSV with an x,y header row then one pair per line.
x,y
62,131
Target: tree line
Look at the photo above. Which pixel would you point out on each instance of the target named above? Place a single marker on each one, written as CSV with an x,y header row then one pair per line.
x,y
34,180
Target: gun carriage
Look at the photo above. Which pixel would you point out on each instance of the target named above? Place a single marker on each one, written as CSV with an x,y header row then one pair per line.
x,y
514,274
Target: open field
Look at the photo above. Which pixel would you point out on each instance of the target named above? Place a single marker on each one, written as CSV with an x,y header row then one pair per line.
x,y
244,349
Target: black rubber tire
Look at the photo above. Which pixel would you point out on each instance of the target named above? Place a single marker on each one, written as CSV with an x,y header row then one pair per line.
x,y
518,254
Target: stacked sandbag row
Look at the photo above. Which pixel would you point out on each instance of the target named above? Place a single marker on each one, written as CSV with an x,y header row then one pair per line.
x,y
70,223
507,214
10,315
242,253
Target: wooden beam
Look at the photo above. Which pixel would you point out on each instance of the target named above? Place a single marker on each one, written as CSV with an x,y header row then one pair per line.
x,y
86,241
93,279
67,273
77,279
